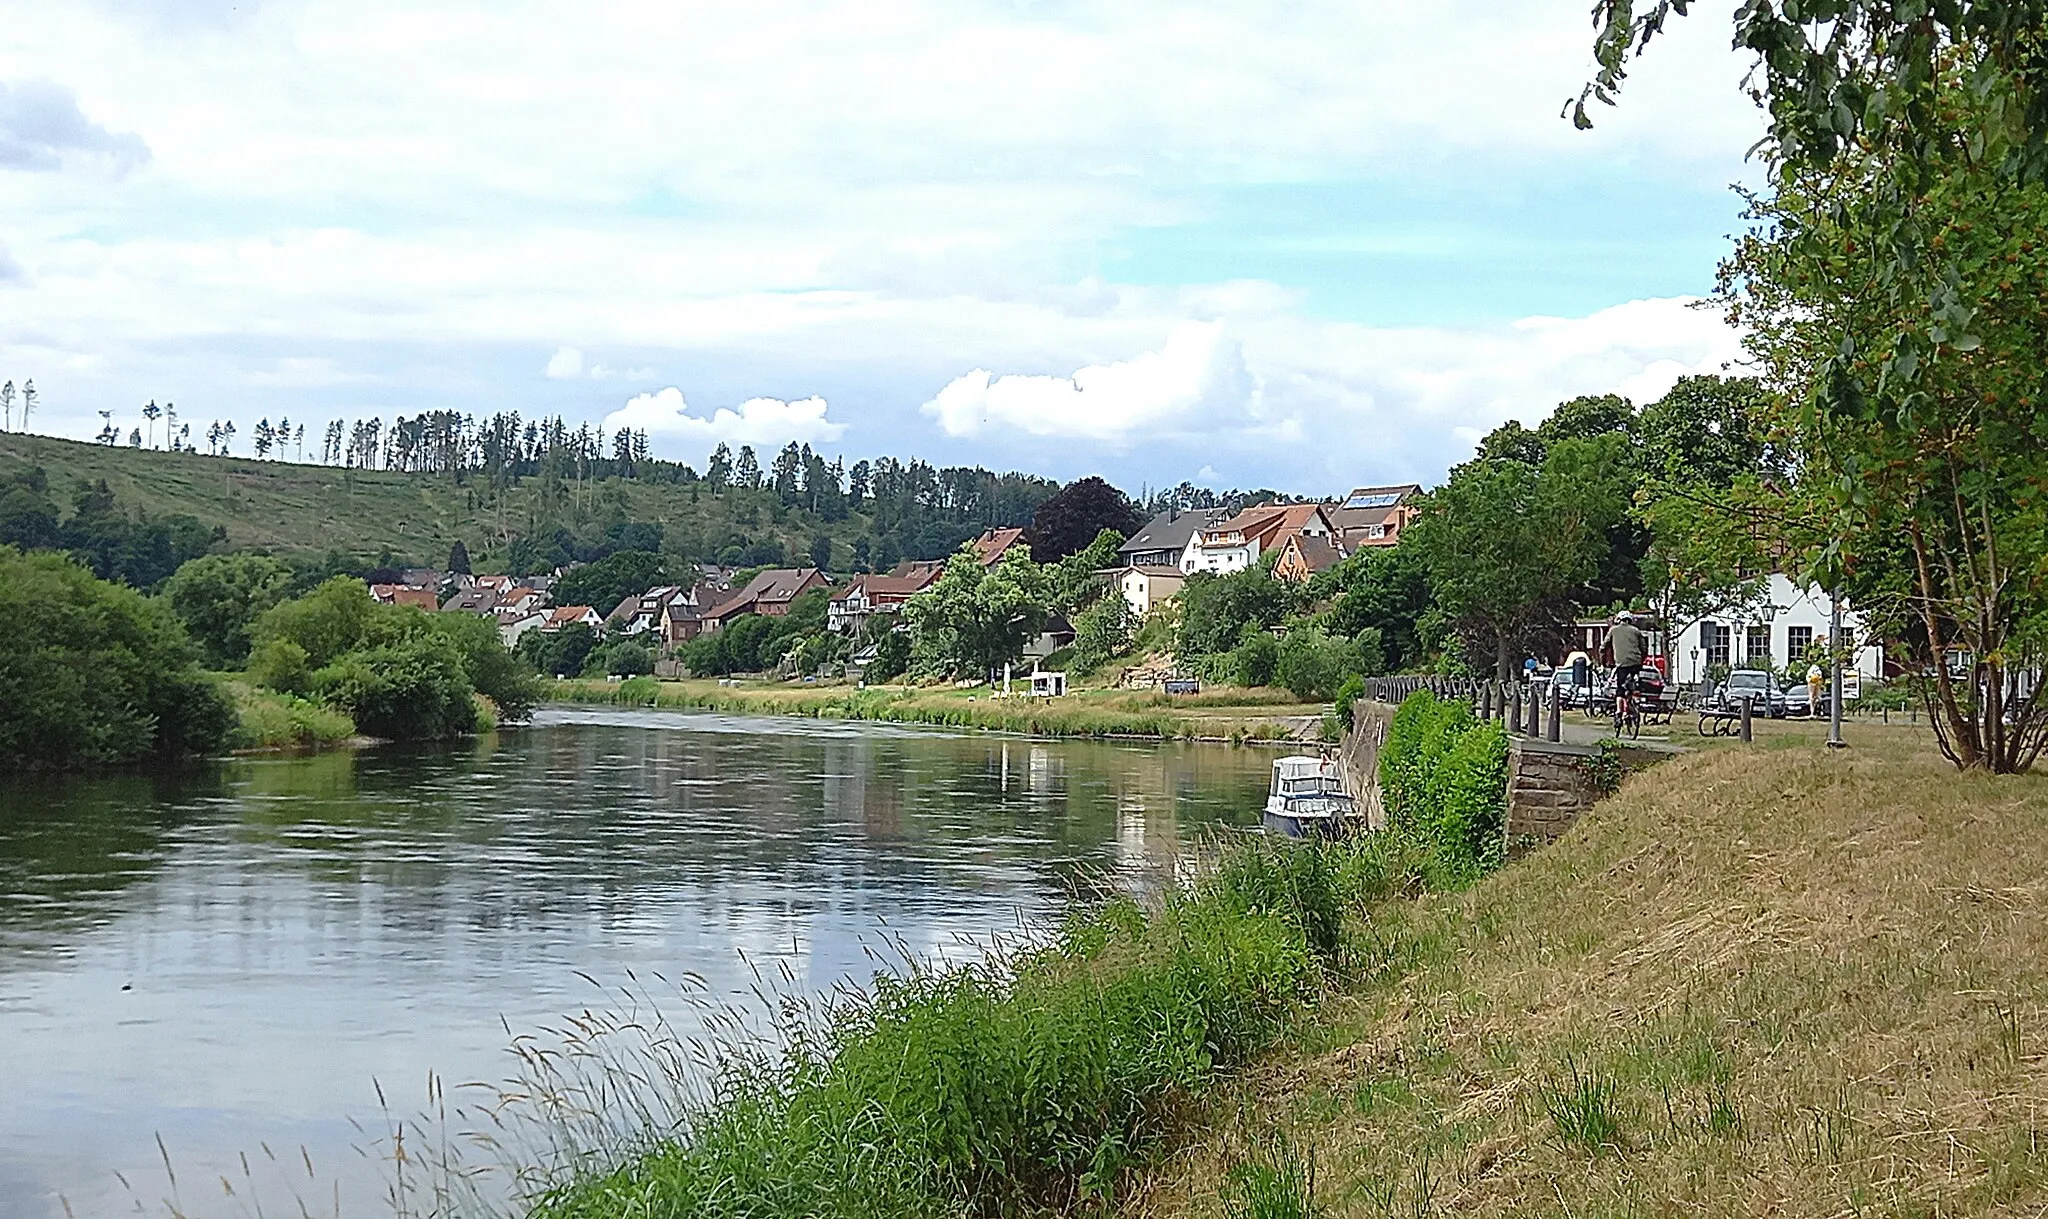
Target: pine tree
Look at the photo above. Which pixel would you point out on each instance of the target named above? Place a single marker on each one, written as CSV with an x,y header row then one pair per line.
x,y
152,412
7,405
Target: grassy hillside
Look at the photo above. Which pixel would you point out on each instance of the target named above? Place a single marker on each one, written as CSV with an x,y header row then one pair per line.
x,y
286,507
1751,983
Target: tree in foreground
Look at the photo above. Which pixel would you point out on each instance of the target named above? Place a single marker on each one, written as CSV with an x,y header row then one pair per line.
x,y
1891,290
96,674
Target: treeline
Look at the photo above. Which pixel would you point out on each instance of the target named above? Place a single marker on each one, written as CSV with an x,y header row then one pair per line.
x,y
139,551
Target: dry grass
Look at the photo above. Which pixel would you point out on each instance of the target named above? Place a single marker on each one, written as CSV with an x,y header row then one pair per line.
x,y
1766,982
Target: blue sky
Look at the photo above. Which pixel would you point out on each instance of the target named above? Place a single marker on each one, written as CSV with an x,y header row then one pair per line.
x,y
1309,247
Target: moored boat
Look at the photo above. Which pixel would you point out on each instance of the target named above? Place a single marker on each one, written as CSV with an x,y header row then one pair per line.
x,y
1308,799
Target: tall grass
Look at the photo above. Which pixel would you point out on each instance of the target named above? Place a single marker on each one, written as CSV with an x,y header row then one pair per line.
x,y
1138,714
1036,1077
269,720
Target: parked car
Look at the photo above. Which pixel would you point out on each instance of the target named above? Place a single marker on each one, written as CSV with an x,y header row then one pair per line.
x,y
1799,700
1569,695
1755,688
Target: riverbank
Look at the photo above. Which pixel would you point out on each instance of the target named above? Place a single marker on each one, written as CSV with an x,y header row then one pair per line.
x,y
1786,981
1752,982
1221,715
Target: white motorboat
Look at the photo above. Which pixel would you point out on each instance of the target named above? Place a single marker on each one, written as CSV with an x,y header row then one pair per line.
x,y
1308,799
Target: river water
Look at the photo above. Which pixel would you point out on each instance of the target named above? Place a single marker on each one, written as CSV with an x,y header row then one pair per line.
x,y
234,961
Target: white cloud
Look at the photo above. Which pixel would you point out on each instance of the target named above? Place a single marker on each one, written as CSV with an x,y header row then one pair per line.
x,y
1301,402
1197,371
565,365
761,422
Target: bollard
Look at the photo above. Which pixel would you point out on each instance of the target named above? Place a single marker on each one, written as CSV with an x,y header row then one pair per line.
x,y
1486,701
1746,734
1534,724
1555,729
1513,712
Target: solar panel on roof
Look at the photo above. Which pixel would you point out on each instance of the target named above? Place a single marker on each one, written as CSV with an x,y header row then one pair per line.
x,y
1385,500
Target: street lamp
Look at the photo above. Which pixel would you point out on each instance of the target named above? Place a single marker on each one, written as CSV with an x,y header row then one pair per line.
x,y
1835,740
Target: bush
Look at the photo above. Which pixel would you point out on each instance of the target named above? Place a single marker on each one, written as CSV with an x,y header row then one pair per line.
x,y
1253,661
1103,631
96,674
1348,694
414,690
892,657
1443,778
629,660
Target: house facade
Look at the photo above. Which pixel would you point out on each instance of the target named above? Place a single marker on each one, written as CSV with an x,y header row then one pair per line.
x,y
867,595
1304,554
769,593
1146,586
1164,539
1775,632
1238,543
644,613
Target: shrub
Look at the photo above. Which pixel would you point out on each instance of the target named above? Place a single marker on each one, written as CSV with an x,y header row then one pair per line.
x,y
629,660
1443,778
1253,661
96,674
219,596
415,690
1102,631
1348,694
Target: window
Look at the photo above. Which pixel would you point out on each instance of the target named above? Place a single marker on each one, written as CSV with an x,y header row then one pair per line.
x,y
1757,649
1798,641
1715,636
1375,531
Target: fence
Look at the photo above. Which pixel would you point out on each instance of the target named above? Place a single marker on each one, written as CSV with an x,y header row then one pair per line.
x,y
1527,710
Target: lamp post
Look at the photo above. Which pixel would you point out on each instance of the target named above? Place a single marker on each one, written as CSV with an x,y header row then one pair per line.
x,y
1835,740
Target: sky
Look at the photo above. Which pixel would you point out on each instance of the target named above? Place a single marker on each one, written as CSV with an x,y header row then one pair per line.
x,y
1307,246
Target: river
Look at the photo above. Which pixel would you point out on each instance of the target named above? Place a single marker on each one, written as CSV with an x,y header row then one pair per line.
x,y
234,960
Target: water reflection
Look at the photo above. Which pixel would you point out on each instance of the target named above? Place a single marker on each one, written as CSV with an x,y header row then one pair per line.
x,y
229,956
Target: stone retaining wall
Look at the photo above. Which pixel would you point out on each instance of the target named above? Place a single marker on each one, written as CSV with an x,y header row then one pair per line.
x,y
1549,783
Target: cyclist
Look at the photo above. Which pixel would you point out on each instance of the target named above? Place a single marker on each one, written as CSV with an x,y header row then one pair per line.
x,y
1625,650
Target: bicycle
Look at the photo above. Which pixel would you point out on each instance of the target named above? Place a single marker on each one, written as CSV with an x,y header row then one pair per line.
x,y
1628,711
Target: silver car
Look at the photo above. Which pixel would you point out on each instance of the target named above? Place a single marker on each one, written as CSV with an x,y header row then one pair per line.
x,y
1755,688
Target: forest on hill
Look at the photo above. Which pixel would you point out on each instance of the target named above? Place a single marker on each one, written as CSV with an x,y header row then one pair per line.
x,y
532,514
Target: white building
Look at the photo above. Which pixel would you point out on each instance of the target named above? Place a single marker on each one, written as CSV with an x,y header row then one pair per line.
x,y
1145,587
1237,543
1776,629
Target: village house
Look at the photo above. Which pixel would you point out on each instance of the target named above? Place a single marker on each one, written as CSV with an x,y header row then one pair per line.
x,y
400,594
1305,554
644,613
569,615
1775,632
1164,539
1144,586
993,544
769,593
513,625
477,599
1237,543
1373,516
867,595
